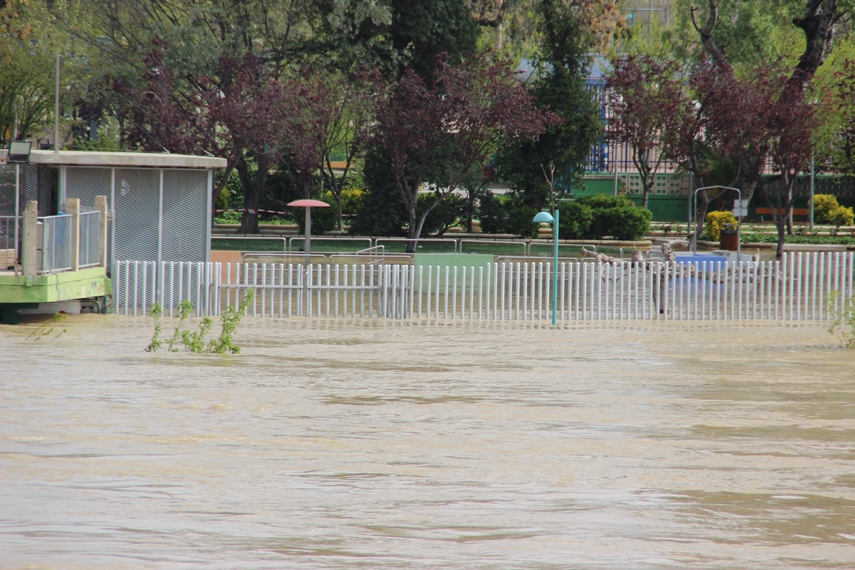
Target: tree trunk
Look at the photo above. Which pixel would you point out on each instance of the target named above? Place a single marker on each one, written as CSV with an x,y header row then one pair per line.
x,y
789,209
252,190
778,217
779,251
470,207
412,234
702,214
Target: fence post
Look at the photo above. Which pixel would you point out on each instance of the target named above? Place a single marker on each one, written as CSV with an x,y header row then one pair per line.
x,y
30,263
72,207
101,206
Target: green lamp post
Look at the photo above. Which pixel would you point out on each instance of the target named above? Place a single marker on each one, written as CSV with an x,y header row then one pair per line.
x,y
547,218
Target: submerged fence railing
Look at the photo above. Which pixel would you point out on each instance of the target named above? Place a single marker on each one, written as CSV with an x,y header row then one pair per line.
x,y
798,287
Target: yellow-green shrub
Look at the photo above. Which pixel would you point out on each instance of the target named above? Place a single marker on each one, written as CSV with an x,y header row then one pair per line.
x,y
351,200
823,205
718,221
841,216
826,210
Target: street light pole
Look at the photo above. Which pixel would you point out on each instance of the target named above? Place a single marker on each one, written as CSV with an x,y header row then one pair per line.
x,y
812,176
555,226
546,217
17,215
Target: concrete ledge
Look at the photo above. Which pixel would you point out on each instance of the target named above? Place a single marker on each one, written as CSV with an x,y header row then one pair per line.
x,y
814,247
121,159
66,286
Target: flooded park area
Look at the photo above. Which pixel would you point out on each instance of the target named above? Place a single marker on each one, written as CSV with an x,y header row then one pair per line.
x,y
373,443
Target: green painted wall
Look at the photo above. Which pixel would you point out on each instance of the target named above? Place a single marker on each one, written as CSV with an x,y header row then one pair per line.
x,y
66,286
671,208
461,261
664,208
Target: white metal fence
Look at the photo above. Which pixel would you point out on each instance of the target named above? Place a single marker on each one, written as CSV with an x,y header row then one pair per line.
x,y
54,243
795,288
89,243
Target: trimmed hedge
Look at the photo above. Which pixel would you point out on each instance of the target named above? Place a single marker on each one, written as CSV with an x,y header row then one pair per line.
x,y
575,220
627,223
591,217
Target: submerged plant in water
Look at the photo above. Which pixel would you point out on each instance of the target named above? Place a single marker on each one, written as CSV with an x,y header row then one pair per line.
x,y
43,330
230,320
194,341
842,313
156,314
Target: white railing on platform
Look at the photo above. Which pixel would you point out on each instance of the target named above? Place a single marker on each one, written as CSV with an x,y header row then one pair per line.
x,y
55,243
796,288
88,243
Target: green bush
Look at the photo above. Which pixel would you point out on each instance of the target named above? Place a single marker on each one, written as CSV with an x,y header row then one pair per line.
x,y
222,201
601,220
492,214
627,223
605,201
575,220
352,200
520,216
382,212
823,205
443,216
826,210
841,216
592,217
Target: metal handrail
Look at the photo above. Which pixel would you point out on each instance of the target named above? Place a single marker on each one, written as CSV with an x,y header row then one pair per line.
x,y
319,238
283,254
494,241
453,241
254,238
372,250
530,259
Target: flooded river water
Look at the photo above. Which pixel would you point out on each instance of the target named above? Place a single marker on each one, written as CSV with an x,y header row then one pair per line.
x,y
378,444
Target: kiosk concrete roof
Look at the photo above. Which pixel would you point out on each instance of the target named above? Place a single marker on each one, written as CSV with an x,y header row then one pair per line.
x,y
120,159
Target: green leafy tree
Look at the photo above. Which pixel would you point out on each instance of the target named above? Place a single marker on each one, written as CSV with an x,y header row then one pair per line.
x,y
835,86
382,212
230,67
512,26
30,38
557,84
438,134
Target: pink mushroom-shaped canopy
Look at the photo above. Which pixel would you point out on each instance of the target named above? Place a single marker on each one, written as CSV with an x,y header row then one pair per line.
x,y
308,204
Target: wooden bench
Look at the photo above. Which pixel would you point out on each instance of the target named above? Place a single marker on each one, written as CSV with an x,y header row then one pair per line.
x,y
768,212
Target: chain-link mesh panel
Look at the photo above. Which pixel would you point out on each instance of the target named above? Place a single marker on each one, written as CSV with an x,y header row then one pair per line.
x,y
29,188
9,229
7,190
87,183
31,177
185,214
137,213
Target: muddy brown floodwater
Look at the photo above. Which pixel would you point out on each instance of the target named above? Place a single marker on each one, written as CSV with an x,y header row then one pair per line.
x,y
379,444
